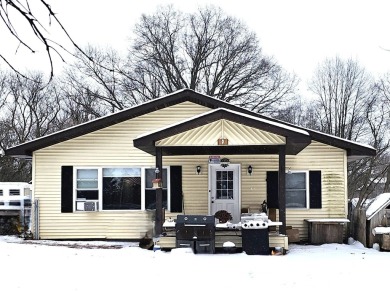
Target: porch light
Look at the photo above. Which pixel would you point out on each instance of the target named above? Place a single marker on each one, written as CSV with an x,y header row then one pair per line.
x,y
250,170
198,168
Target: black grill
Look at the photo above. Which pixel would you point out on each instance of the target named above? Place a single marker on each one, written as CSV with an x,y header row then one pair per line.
x,y
196,232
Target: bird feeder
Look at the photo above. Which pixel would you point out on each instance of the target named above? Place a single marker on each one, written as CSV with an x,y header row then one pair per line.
x,y
157,183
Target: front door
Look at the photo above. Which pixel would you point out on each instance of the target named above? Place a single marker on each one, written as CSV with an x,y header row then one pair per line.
x,y
224,190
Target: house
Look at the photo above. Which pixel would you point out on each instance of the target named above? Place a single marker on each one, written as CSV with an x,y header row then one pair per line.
x,y
205,155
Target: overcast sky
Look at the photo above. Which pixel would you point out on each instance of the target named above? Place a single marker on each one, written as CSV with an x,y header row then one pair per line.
x,y
299,34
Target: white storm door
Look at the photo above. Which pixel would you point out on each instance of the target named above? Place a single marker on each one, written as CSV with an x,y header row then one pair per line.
x,y
224,189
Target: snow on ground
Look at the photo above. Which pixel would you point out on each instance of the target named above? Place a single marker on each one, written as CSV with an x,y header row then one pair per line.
x,y
50,265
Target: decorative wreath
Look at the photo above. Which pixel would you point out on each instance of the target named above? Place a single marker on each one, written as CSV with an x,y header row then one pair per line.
x,y
223,216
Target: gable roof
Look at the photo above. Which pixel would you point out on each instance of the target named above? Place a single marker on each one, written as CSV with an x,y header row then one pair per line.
x,y
25,150
296,139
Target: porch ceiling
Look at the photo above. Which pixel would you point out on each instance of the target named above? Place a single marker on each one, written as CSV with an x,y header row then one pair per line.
x,y
246,135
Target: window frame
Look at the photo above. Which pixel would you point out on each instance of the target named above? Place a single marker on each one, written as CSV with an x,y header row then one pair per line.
x,y
100,186
307,184
75,188
102,192
168,183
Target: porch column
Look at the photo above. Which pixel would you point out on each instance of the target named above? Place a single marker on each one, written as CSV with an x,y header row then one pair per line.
x,y
159,195
282,189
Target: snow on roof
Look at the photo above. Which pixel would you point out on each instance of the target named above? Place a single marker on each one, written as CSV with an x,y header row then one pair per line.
x,y
344,139
381,230
94,120
380,202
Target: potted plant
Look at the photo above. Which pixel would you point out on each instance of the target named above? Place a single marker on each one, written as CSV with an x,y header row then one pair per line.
x,y
223,216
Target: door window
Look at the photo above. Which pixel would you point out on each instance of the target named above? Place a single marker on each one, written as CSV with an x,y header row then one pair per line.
x,y
224,184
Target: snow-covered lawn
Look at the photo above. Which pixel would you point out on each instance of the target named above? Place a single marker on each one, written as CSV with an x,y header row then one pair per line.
x,y
54,266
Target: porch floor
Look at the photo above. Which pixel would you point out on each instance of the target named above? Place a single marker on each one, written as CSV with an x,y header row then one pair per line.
x,y
168,240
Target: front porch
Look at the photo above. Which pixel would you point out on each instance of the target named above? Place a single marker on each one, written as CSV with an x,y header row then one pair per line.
x,y
224,132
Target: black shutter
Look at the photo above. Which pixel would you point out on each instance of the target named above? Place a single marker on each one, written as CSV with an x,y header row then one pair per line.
x,y
176,189
315,189
272,189
66,189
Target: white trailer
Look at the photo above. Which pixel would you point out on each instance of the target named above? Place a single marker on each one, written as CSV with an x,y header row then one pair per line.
x,y
15,200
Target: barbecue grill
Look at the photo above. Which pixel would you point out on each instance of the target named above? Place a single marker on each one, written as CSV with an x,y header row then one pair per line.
x,y
196,232
255,237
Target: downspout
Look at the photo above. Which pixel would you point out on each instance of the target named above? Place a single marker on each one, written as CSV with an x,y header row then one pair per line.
x,y
36,219
34,201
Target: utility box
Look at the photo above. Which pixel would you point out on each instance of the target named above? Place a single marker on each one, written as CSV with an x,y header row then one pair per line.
x,y
327,230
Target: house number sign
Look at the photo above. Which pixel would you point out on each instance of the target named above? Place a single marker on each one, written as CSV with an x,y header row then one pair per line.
x,y
223,141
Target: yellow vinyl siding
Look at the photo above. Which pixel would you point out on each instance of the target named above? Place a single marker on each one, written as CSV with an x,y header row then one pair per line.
x,y
111,146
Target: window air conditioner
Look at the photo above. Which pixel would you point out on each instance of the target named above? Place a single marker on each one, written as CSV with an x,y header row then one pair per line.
x,y
87,205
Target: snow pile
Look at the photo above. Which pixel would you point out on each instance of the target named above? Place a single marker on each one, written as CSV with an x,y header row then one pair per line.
x,y
51,265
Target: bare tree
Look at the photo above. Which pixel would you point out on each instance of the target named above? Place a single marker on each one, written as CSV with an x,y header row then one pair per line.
x,y
207,51
367,175
299,113
342,88
13,11
31,109
350,104
96,87
384,90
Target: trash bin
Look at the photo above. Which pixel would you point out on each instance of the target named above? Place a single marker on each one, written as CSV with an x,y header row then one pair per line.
x,y
255,237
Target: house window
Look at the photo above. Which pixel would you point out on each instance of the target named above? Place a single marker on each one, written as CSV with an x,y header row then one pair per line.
x,y
14,192
297,190
150,192
121,188
1,192
87,184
